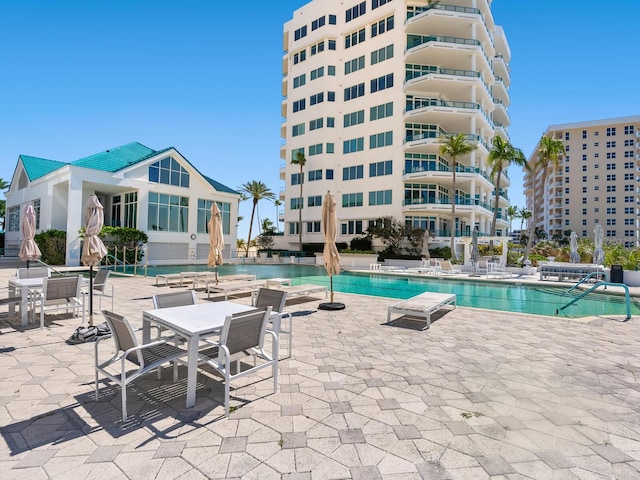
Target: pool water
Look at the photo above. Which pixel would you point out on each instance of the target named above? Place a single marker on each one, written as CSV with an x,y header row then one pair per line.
x,y
506,296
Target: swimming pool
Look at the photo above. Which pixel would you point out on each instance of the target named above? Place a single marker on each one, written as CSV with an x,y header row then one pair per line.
x,y
506,296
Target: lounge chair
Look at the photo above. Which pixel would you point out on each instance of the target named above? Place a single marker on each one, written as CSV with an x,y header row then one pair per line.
x,y
422,306
497,270
448,269
225,288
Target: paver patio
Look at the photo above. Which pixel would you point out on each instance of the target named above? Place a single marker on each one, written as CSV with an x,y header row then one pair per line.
x,y
482,394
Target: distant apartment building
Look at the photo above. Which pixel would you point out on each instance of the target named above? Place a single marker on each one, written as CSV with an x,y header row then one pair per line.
x,y
369,88
595,183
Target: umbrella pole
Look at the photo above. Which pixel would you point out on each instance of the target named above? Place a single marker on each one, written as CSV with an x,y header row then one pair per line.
x,y
91,295
331,286
216,274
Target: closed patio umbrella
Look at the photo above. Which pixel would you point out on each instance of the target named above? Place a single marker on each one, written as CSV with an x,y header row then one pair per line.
x,y
425,245
330,254
574,256
475,253
93,250
28,247
598,238
216,239
503,255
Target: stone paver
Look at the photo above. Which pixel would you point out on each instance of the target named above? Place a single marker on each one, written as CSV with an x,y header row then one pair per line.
x,y
481,394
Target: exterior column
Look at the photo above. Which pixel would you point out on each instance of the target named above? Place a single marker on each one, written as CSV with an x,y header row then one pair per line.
x,y
75,219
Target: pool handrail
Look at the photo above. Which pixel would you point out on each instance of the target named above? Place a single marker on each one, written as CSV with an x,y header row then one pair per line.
x,y
597,285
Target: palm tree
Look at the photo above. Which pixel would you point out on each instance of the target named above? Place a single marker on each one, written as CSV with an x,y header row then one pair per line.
x,y
523,214
502,155
3,203
454,146
301,161
512,212
278,204
549,152
256,190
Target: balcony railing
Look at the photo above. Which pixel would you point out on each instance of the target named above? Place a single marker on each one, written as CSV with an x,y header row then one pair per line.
x,y
418,103
416,71
427,135
445,201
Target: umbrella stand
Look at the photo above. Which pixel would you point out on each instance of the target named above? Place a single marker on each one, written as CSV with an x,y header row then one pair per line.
x,y
331,305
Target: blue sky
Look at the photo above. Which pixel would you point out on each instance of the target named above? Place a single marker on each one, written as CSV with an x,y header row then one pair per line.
x,y
204,76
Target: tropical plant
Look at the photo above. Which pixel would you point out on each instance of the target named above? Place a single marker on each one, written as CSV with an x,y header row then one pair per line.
x,y
256,191
53,246
523,214
3,203
454,146
301,161
512,212
278,204
549,151
502,155
393,234
268,228
265,241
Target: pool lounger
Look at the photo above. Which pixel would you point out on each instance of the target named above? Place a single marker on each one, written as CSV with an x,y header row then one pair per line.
x,y
304,290
210,278
226,288
422,306
179,278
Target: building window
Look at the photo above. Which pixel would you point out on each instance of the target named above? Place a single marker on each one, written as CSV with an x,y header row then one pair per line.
x,y
314,175
354,12
332,46
584,134
319,22
352,227
168,213
353,92
611,131
315,149
131,210
13,219
381,197
295,178
381,54
629,129
314,201
354,118
381,140
351,200
299,81
352,39
353,145
332,19
317,98
36,209
313,227
381,111
611,177
297,130
382,26
378,3
382,83
317,73
316,124
611,144
354,65
296,203
611,210
331,122
204,214
380,169
330,147
299,105
169,172
293,228
353,173
300,33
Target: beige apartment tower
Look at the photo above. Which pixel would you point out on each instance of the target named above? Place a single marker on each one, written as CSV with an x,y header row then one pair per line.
x,y
596,181
369,88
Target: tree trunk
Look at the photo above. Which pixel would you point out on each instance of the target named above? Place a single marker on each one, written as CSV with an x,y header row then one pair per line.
x,y
300,212
453,212
253,211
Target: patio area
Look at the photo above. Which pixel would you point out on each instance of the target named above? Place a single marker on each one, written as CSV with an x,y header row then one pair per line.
x,y
480,395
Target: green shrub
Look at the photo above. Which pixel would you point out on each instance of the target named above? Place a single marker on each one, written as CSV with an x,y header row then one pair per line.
x,y
53,246
121,237
361,243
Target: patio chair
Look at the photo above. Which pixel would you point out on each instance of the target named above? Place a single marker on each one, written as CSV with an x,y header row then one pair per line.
x,y
35,272
448,269
101,288
242,336
58,293
173,299
276,299
8,296
129,351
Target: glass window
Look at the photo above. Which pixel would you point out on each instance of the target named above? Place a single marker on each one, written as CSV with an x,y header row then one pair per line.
x,y
204,214
13,219
168,213
169,172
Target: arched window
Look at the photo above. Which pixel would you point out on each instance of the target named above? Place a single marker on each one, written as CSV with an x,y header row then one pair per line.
x,y
169,172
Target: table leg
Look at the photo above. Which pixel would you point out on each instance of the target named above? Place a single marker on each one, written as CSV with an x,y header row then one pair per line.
x,y
192,371
24,309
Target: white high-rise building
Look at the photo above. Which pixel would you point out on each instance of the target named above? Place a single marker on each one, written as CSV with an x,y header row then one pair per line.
x,y
369,88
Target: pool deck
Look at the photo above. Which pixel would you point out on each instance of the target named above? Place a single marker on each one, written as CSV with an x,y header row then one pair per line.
x,y
480,395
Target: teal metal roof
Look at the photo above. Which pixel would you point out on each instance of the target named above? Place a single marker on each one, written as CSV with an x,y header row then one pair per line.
x,y
39,167
110,160
218,186
117,158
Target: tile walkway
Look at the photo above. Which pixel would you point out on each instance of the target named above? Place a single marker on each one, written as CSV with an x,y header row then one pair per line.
x,y
480,395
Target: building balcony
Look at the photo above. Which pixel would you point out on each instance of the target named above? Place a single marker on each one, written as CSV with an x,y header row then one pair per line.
x,y
500,91
281,194
501,130
283,171
446,51
463,205
452,115
500,67
431,139
500,112
464,174
456,82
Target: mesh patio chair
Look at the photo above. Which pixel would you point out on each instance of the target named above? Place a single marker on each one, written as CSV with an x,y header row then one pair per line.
x,y
101,288
34,272
129,352
276,299
242,336
58,293
174,299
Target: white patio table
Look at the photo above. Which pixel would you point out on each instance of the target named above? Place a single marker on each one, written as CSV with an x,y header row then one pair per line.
x,y
193,322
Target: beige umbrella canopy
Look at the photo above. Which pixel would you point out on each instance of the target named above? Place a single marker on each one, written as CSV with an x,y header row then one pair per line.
x,y
28,247
93,250
330,254
216,238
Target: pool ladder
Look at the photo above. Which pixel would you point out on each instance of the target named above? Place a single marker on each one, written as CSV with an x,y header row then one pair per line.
x,y
595,287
